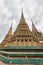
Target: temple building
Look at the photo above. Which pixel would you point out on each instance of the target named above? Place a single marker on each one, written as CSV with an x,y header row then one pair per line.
x,y
23,47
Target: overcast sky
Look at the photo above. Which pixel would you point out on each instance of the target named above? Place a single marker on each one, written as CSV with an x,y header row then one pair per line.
x,y
32,9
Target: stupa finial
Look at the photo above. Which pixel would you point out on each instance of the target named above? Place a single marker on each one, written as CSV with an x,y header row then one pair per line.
x,y
22,13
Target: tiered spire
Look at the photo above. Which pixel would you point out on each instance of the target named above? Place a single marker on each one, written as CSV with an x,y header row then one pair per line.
x,y
7,37
36,32
34,28
22,26
22,19
10,30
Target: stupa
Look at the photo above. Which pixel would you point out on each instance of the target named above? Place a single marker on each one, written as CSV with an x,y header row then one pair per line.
x,y
22,47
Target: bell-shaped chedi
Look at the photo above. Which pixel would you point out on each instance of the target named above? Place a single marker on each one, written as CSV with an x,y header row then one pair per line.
x,y
22,35
7,37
